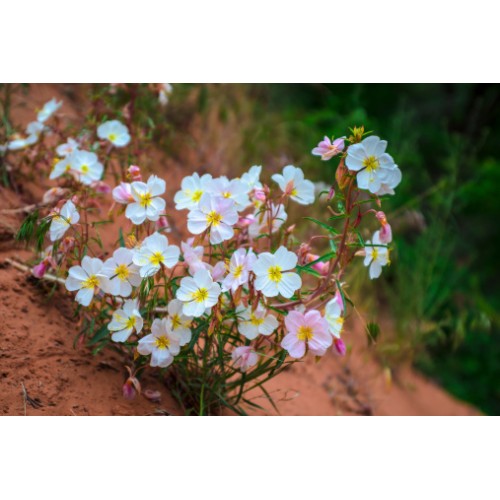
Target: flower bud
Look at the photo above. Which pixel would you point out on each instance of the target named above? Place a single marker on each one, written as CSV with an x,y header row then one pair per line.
x,y
259,194
340,346
135,173
162,223
101,187
53,195
40,269
385,232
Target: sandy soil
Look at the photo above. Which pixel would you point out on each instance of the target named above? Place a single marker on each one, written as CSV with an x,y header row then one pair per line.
x,y
43,373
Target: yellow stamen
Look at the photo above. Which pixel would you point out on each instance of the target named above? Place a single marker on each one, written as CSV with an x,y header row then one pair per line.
x,y
112,137
374,253
176,321
294,192
304,333
156,259
130,322
85,169
162,342
274,273
227,194
122,271
256,321
90,282
371,163
200,295
145,199
237,271
214,218
196,196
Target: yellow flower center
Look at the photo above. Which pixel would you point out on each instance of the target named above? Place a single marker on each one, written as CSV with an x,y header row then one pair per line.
x,y
145,199
214,218
112,137
227,194
85,169
237,271
256,321
374,253
294,192
200,295
156,259
371,163
130,322
162,342
122,272
304,333
176,321
91,282
196,196
67,168
275,273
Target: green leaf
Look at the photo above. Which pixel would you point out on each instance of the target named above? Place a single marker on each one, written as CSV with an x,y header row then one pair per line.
x,y
330,229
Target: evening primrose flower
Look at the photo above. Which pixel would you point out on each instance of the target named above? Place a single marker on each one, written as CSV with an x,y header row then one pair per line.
x,y
251,323
239,266
193,256
160,343
147,201
123,193
192,189
373,164
115,132
35,128
178,323
251,178
49,108
198,293
293,184
333,316
63,220
87,279
125,321
215,214
153,253
233,189
244,357
86,166
306,330
376,255
164,93
260,223
273,273
122,273
70,146
328,149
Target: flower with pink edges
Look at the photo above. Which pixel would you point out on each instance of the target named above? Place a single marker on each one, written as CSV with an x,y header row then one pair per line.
x,y
239,268
123,193
135,173
328,149
385,233
321,267
306,331
244,357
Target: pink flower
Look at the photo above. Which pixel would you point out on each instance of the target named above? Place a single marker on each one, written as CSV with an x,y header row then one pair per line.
x,y
309,330
327,150
123,193
259,194
385,233
321,267
39,270
339,346
244,357
53,195
246,220
162,223
135,173
101,187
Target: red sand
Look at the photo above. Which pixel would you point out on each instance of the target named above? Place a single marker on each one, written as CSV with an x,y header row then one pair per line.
x,y
37,353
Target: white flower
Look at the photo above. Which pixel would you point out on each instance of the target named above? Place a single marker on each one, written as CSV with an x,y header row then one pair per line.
x,y
260,224
333,316
155,252
193,256
216,214
376,256
70,146
251,178
125,321
17,144
165,91
123,274
35,128
192,189
60,222
86,166
160,343
115,132
49,108
178,323
244,357
239,266
372,163
251,323
273,273
86,278
393,179
293,184
61,167
234,189
198,293
148,204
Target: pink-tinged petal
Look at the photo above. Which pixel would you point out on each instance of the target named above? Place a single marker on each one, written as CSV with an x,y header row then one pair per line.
x,y
295,347
293,321
340,346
